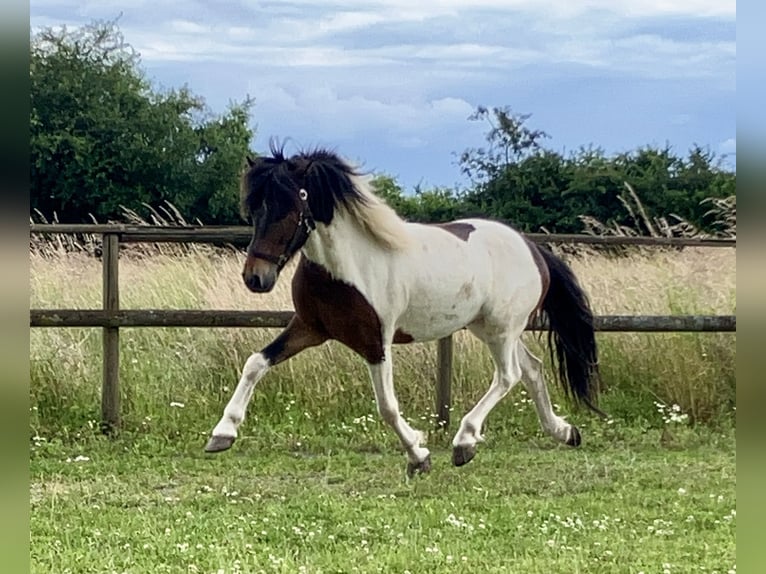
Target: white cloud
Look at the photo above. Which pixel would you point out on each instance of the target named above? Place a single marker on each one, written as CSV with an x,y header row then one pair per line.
x,y
343,118
188,28
346,21
409,73
509,34
561,8
728,146
652,56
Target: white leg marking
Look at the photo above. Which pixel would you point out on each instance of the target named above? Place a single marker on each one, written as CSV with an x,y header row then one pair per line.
x,y
388,408
507,374
532,377
234,413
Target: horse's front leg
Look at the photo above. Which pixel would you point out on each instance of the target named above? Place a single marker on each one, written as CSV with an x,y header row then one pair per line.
x,y
296,337
419,458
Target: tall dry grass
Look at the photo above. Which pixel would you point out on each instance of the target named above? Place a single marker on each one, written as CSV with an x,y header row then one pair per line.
x,y
329,385
722,211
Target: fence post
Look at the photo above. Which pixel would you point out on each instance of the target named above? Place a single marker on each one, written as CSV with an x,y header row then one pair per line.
x,y
110,384
443,381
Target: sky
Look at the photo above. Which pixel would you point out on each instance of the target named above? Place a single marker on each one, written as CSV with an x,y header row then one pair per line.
x,y
390,84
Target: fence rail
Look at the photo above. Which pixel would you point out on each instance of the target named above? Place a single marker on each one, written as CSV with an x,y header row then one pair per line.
x,y
111,318
241,235
271,319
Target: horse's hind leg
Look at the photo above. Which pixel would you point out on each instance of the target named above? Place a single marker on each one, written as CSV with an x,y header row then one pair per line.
x,y
507,374
532,377
419,458
296,337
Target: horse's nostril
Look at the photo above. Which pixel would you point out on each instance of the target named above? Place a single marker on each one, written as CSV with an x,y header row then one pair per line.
x,y
253,281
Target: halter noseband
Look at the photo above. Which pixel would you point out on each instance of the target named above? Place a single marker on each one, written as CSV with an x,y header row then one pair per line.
x,y
303,229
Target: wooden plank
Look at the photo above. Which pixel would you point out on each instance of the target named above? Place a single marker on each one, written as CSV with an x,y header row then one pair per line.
x,y
110,386
617,240
666,323
239,234
273,319
444,352
76,228
158,318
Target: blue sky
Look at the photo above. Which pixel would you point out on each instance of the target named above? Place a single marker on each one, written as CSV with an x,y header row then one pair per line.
x,y
390,83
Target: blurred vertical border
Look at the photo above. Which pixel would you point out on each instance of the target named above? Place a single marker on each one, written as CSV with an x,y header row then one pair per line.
x,y
14,285
751,284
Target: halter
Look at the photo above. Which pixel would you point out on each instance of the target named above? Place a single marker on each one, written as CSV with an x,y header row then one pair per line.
x,y
303,229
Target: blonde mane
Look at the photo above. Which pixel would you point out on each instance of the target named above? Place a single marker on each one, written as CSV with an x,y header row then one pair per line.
x,y
377,218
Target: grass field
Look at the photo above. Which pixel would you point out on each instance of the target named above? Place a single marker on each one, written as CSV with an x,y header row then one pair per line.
x,y
626,501
316,482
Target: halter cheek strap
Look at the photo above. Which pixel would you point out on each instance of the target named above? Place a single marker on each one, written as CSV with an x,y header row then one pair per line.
x,y
303,229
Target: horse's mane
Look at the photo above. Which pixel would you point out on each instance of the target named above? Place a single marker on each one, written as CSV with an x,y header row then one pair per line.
x,y
333,186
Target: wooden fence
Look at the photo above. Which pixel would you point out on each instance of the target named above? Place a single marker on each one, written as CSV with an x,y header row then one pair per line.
x,y
110,318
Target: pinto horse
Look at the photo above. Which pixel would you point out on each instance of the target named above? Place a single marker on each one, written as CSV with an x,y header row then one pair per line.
x,y
369,279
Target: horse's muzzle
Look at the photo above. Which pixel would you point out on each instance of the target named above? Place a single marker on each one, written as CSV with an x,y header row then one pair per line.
x,y
258,285
259,276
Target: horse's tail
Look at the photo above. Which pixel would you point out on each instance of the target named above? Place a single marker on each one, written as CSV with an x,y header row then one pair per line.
x,y
571,338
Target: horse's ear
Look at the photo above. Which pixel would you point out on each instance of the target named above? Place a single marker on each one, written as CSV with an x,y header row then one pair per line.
x,y
250,161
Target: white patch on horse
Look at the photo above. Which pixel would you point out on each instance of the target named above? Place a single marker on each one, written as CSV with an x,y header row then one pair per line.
x,y
255,367
532,377
436,285
430,293
388,407
377,218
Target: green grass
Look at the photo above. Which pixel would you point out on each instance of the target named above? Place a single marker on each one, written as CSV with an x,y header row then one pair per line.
x,y
658,500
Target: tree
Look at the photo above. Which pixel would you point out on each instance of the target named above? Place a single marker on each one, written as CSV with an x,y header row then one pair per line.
x,y
423,205
388,189
514,178
517,179
510,141
100,137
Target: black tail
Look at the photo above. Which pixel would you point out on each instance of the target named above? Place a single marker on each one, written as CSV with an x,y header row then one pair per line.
x,y
571,337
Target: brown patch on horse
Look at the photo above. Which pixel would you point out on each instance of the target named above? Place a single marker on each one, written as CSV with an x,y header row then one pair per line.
x,y
275,239
457,228
337,310
296,337
402,338
545,275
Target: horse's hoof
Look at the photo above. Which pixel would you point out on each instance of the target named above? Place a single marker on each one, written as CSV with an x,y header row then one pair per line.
x,y
574,437
219,443
422,467
463,454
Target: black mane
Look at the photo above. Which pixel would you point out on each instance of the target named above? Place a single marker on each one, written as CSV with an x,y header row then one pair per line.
x,y
276,179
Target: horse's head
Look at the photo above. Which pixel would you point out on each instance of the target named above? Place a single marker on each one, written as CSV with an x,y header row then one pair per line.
x,y
285,198
275,200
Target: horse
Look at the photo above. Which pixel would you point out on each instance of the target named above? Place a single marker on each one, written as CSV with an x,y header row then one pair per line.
x,y
369,280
